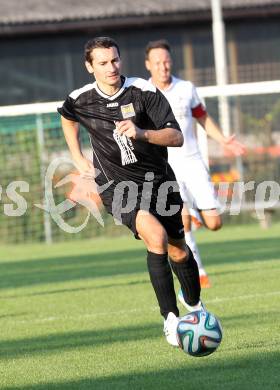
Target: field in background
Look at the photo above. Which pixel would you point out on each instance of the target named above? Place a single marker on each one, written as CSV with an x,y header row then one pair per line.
x,y
82,315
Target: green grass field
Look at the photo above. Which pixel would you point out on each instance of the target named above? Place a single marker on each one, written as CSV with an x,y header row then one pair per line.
x,y
83,315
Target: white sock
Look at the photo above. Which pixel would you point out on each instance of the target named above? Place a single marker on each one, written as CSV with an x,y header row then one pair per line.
x,y
190,240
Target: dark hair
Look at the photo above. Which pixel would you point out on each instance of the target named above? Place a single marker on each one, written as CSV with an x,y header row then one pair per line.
x,y
160,44
99,42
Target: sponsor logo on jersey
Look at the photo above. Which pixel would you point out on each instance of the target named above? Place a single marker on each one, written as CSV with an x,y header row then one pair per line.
x,y
126,147
115,104
127,111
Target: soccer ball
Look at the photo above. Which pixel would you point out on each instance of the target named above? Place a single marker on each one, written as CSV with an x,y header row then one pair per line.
x,y
199,333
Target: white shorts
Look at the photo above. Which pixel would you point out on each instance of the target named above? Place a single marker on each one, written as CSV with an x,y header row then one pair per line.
x,y
196,188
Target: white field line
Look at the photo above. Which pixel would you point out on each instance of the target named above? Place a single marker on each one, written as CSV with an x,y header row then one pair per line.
x,y
136,310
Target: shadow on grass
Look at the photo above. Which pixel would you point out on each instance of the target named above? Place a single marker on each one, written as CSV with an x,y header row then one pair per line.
x,y
249,373
71,340
66,268
240,251
60,342
13,315
67,290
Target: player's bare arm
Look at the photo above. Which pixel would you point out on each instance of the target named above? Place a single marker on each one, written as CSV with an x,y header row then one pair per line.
x,y
164,137
213,131
71,134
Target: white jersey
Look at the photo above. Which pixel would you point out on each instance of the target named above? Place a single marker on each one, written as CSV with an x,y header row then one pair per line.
x,y
185,103
191,173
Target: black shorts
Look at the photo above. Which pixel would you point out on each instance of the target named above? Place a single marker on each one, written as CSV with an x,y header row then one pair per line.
x,y
171,204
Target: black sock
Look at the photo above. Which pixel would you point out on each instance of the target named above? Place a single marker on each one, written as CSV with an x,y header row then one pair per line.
x,y
162,281
188,276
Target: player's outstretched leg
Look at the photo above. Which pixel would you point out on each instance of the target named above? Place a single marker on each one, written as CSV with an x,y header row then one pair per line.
x,y
154,235
190,240
186,270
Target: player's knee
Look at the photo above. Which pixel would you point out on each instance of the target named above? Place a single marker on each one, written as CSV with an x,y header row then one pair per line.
x,y
214,224
178,254
157,241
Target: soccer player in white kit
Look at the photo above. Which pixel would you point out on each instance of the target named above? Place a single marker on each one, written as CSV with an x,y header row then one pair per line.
x,y
196,189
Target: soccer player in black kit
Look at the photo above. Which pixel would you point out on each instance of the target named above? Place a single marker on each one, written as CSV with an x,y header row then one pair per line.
x,y
130,124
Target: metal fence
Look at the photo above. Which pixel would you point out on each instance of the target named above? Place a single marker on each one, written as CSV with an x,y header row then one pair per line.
x,y
28,144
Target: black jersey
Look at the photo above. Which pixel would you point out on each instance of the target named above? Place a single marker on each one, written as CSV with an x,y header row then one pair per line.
x,y
120,158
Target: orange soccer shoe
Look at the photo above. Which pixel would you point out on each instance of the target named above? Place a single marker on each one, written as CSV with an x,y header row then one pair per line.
x,y
204,281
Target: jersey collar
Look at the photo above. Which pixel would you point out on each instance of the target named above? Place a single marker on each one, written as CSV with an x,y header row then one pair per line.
x,y
117,94
170,86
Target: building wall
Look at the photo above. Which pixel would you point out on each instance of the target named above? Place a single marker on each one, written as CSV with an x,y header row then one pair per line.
x,y
46,68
